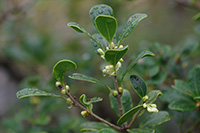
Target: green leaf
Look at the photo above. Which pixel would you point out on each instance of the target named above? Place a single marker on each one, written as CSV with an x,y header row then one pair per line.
x,y
107,130
130,26
114,55
126,102
196,17
107,26
92,126
87,102
179,117
197,98
140,56
182,87
155,119
28,92
190,44
82,77
182,106
100,39
61,67
101,9
153,96
194,80
140,130
128,115
154,70
159,78
79,29
139,85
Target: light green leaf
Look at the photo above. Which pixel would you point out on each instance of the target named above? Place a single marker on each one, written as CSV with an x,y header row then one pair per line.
x,y
196,17
87,102
29,92
79,29
194,80
107,26
107,130
182,106
92,126
126,102
140,56
114,55
140,130
139,85
155,119
101,9
82,77
61,67
129,114
130,26
197,98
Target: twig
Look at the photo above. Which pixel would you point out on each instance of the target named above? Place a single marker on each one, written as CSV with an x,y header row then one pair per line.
x,y
134,118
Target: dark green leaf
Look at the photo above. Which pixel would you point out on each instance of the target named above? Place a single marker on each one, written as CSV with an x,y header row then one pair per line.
x,y
153,96
61,67
100,39
87,102
182,106
107,130
130,26
140,56
155,119
114,55
140,130
159,78
107,26
128,115
179,117
78,28
194,80
92,126
139,85
28,92
189,46
126,102
182,87
101,9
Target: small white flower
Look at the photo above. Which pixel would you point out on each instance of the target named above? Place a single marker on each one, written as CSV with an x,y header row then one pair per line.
x,y
100,51
121,46
144,105
152,108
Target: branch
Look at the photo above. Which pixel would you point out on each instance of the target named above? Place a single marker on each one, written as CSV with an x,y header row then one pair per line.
x,y
134,118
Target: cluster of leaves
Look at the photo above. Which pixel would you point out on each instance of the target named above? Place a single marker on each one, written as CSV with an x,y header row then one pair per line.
x,y
120,99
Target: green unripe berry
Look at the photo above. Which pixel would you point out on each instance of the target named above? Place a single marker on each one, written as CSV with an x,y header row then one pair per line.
x,y
67,87
63,91
58,84
84,113
120,90
115,93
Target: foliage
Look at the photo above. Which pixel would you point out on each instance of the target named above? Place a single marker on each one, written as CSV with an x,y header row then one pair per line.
x,y
112,52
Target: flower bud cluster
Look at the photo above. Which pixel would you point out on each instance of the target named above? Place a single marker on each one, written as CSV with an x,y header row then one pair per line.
x,y
110,70
101,52
152,108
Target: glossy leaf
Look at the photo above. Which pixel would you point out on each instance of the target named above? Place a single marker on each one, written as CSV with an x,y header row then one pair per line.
x,y
87,102
82,77
140,130
114,55
100,39
182,106
126,102
28,92
61,67
107,26
194,80
101,9
153,95
79,29
92,126
155,119
140,56
139,85
129,114
107,130
130,26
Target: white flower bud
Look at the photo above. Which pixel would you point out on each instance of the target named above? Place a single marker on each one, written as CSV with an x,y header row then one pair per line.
x,y
84,113
100,51
145,98
121,60
121,46
120,90
102,56
58,83
144,105
67,87
115,93
152,108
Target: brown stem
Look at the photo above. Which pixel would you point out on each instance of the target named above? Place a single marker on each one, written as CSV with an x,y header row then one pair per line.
x,y
134,118
92,114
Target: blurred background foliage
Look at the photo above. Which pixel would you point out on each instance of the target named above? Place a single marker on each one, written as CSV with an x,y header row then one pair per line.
x,y
34,36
